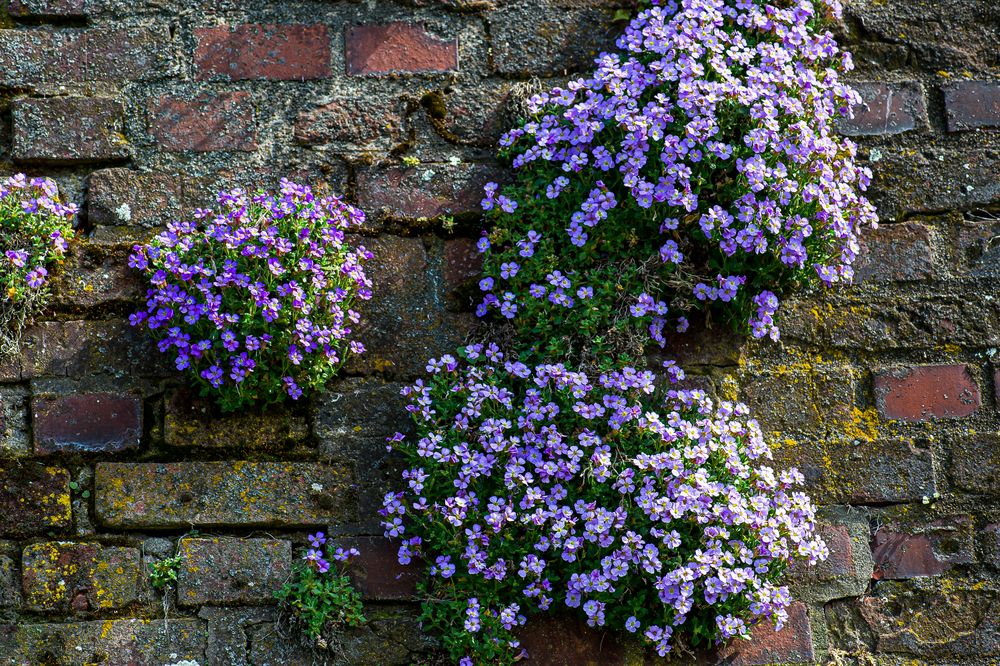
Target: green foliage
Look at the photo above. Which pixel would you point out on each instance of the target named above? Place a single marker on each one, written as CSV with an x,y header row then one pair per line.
x,y
163,574
321,601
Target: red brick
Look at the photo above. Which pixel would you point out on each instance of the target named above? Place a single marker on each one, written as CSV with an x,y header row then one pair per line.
x,y
886,109
895,253
791,645
359,121
204,123
398,47
972,105
91,422
377,573
123,197
275,52
48,8
929,391
68,129
924,550
425,191
34,499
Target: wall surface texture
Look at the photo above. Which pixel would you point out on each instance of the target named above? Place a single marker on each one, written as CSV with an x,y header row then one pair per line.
x,y
885,395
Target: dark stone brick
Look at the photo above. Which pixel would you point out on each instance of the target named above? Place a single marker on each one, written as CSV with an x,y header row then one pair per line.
x,y
930,391
791,645
972,105
10,587
78,348
190,422
398,48
531,38
990,539
123,197
886,109
813,397
895,253
68,129
462,262
34,499
274,52
907,550
207,122
377,573
126,54
33,57
975,464
425,191
92,422
247,494
84,576
568,641
221,571
133,642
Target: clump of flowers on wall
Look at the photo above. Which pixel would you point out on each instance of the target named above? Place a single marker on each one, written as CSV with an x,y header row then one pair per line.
x,y
648,511
34,232
255,300
698,168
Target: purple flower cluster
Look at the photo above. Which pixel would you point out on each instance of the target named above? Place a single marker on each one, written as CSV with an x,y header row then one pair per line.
x,y
530,488
255,300
34,228
714,122
316,557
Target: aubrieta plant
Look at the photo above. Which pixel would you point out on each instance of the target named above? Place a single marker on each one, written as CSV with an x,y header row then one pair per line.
x,y
698,168
319,595
647,510
34,230
255,300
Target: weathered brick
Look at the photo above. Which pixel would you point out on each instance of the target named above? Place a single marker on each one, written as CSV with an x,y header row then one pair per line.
x,y
360,121
377,573
924,620
972,105
895,253
222,571
559,640
96,278
15,440
791,645
275,52
975,464
59,575
930,391
34,499
125,54
68,129
813,397
462,262
32,57
89,422
425,191
133,642
408,323
206,122
990,538
10,587
189,422
398,47
48,8
886,109
248,494
126,198
537,39
910,550
847,571
78,348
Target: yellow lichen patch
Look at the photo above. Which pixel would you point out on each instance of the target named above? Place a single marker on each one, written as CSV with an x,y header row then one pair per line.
x,y
863,425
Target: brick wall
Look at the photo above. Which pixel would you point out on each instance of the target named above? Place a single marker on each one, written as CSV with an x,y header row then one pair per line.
x,y
886,395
